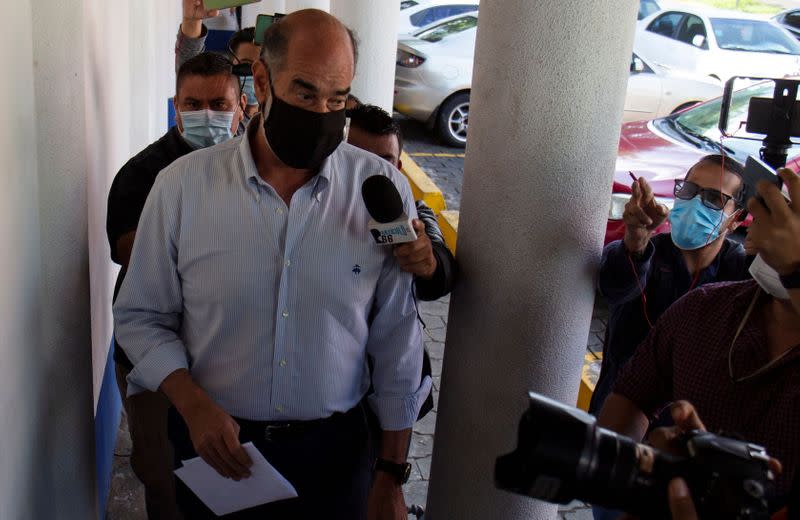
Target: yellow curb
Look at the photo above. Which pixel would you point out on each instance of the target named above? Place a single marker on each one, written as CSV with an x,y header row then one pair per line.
x,y
588,381
422,186
448,221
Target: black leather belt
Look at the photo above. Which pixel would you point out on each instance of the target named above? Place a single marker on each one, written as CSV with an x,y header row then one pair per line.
x,y
285,430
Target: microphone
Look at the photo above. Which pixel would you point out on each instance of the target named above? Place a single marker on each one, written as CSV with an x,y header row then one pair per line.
x,y
389,224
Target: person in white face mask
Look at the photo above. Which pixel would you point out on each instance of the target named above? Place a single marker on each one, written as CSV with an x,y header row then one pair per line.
x,y
732,349
209,105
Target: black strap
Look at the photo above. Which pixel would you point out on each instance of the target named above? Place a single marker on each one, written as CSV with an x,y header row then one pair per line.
x,y
239,17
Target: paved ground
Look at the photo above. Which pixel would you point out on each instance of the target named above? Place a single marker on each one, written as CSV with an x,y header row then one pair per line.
x,y
445,166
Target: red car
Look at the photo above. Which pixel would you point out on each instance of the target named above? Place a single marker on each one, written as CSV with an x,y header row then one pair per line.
x,y
664,149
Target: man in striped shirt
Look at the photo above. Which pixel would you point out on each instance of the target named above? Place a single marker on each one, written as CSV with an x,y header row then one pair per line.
x,y
255,295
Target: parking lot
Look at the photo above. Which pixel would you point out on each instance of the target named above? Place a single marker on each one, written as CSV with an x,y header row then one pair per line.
x,y
443,164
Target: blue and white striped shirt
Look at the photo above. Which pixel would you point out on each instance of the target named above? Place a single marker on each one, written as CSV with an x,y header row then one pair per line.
x,y
272,308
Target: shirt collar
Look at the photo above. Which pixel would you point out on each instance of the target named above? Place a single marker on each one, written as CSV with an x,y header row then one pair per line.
x,y
321,181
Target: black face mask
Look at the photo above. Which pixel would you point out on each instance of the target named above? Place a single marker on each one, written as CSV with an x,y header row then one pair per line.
x,y
301,138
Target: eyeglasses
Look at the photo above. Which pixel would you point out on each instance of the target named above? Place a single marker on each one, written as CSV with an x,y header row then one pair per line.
x,y
714,199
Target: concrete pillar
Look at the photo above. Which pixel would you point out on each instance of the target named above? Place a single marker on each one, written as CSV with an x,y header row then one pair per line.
x,y
375,24
548,97
251,11
296,5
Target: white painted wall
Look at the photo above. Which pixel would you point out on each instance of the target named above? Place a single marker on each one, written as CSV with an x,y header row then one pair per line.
x,y
66,448
89,90
20,273
375,23
296,5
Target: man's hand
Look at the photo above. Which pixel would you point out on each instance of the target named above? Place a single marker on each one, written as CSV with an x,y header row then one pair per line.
x,y
214,433
386,501
680,501
775,231
666,439
194,12
215,436
685,418
642,216
417,257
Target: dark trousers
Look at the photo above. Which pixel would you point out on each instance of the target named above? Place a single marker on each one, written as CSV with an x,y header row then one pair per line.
x,y
151,452
329,463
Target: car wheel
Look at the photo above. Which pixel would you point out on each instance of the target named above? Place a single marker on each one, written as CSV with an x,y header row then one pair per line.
x,y
453,119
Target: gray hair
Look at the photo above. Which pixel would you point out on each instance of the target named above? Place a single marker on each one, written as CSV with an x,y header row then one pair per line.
x,y
276,45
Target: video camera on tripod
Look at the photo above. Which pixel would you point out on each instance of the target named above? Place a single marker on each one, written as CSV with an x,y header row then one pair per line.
x,y
777,119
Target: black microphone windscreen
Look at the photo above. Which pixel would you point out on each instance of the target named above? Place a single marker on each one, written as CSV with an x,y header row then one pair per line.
x,y
382,199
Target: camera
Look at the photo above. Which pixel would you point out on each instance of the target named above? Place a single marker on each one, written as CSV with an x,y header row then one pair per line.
x,y
562,455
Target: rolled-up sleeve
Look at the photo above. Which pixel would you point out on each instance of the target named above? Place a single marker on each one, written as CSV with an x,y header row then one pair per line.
x,y
147,312
395,344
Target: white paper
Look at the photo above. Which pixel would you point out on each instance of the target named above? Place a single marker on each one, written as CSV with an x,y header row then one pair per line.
x,y
224,496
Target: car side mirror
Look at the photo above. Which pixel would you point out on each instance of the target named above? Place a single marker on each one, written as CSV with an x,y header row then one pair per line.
x,y
699,40
637,65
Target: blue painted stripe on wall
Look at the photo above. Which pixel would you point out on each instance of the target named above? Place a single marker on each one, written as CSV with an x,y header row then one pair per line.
x,y
106,426
170,113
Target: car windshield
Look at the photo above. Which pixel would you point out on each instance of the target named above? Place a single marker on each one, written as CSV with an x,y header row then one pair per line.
x,y
752,36
442,31
646,8
406,4
703,120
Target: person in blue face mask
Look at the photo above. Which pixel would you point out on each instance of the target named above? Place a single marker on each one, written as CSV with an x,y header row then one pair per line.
x,y
666,266
645,273
209,109
191,41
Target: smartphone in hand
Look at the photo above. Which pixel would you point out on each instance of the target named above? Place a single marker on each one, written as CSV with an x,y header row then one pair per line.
x,y
756,170
262,24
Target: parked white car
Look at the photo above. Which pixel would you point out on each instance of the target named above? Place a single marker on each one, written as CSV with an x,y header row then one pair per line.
x,y
417,14
654,92
718,44
434,76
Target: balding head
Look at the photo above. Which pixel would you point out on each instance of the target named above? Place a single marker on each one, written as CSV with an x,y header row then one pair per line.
x,y
309,57
307,30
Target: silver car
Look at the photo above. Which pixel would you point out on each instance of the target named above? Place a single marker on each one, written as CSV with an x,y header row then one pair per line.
x,y
434,75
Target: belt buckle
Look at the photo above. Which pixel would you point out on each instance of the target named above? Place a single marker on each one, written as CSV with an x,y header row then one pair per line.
x,y
272,429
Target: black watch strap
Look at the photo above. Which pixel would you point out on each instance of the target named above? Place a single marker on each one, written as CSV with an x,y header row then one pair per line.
x,y
400,472
791,280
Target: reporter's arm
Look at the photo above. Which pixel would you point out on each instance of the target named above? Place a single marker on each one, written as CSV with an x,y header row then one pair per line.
x,y
191,39
621,415
441,283
622,275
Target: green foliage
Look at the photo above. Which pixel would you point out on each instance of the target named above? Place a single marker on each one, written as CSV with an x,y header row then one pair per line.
x,y
746,6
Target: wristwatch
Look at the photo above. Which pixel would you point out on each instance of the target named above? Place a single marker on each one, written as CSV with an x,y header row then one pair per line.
x,y
791,280
400,472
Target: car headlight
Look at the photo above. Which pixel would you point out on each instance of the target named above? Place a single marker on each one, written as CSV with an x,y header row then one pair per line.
x,y
618,201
